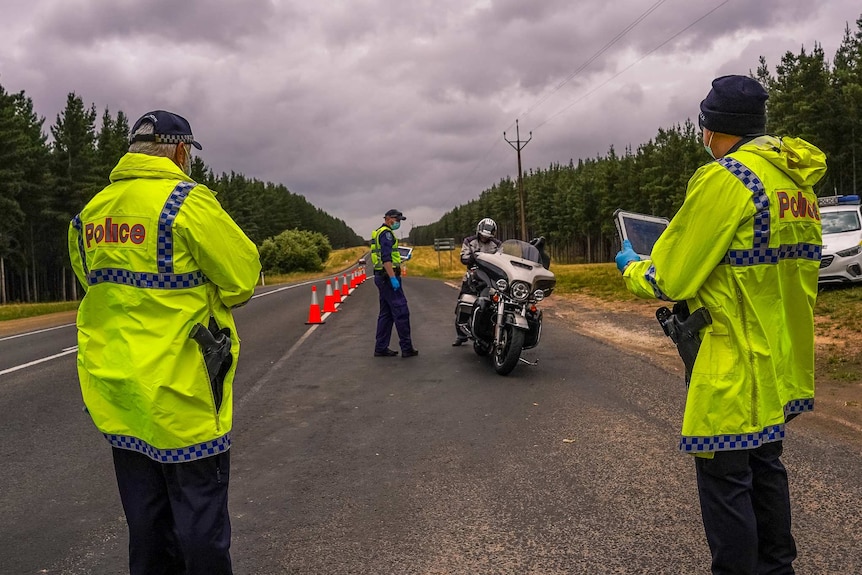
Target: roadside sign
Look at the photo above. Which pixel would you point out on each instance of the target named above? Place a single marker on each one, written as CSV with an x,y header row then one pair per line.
x,y
444,244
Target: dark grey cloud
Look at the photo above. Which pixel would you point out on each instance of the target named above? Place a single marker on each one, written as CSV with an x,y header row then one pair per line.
x,y
365,105
219,25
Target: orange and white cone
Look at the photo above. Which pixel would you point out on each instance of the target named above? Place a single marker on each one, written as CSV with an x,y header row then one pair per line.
x,y
314,308
329,299
336,292
345,286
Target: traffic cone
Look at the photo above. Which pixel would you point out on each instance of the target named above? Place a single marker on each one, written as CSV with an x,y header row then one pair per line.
x,y
329,299
314,308
345,291
404,271
354,278
336,292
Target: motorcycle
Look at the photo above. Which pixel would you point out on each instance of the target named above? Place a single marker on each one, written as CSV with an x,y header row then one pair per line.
x,y
503,319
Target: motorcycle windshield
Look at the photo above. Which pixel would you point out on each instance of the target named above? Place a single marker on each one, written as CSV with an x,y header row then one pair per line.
x,y
522,250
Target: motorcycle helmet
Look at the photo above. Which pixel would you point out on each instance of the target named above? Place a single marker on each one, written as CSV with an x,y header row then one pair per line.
x,y
486,229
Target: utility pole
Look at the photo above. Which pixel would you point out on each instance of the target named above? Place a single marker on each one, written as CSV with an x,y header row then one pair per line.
x,y
518,145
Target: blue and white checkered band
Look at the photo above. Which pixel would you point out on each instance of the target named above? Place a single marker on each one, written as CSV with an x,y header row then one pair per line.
x,y
178,455
799,406
78,225
690,444
172,139
650,278
146,280
761,253
165,240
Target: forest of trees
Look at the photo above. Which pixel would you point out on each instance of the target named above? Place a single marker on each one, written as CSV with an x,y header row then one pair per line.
x,y
43,184
572,205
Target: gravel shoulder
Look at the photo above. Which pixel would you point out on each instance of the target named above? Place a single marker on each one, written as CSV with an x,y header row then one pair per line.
x,y
632,327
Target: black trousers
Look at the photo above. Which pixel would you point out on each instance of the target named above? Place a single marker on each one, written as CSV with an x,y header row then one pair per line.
x,y
745,503
177,514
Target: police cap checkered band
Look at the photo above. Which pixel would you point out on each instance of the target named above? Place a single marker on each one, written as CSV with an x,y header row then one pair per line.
x,y
168,128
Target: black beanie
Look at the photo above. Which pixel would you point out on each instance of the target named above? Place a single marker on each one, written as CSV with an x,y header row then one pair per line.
x,y
736,105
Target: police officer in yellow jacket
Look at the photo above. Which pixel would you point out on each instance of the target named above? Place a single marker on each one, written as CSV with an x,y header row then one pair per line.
x,y
745,246
160,259
387,277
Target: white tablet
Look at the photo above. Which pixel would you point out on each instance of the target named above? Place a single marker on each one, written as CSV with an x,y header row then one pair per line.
x,y
641,230
406,253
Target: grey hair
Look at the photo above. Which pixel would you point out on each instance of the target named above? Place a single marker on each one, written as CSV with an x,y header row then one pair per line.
x,y
151,148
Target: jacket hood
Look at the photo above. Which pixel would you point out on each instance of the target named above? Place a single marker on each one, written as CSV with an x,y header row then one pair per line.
x,y
803,162
132,166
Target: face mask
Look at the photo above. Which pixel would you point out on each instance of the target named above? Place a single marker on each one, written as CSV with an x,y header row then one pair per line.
x,y
708,146
395,225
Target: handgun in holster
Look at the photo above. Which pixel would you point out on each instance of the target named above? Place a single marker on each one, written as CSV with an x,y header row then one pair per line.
x,y
215,346
683,328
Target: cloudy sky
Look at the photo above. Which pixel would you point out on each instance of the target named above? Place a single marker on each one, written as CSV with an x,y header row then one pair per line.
x,y
364,105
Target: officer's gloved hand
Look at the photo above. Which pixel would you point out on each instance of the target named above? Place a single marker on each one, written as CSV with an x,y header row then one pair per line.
x,y
625,256
395,283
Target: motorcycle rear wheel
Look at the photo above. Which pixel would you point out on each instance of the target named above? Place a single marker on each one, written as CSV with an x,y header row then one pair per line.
x,y
507,354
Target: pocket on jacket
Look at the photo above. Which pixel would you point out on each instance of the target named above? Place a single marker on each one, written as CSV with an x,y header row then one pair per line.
x,y
717,354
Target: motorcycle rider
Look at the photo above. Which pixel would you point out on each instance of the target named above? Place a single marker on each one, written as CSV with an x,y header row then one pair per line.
x,y
485,242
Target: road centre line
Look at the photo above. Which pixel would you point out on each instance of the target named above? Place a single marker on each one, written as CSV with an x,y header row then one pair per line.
x,y
282,360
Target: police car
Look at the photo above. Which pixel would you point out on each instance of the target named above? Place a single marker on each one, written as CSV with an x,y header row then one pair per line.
x,y
841,259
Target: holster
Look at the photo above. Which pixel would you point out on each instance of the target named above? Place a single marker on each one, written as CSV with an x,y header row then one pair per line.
x,y
215,346
683,328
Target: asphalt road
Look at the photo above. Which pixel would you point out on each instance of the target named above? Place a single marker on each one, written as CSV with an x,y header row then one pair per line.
x,y
346,463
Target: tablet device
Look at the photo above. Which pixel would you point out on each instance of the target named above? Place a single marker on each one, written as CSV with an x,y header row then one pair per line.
x,y
641,230
406,253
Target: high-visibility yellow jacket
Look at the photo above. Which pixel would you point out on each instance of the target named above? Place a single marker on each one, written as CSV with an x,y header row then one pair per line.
x,y
746,245
156,254
376,250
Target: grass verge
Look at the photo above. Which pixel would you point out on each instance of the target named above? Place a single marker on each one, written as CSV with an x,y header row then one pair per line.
x,y
22,310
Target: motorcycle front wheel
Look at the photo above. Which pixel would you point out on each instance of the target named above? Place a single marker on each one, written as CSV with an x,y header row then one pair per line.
x,y
508,352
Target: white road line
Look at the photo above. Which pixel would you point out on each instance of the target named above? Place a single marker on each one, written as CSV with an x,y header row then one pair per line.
x,y
284,288
69,350
277,366
37,331
66,351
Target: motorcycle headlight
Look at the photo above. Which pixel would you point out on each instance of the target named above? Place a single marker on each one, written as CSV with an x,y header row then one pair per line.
x,y
539,295
520,290
849,252
501,284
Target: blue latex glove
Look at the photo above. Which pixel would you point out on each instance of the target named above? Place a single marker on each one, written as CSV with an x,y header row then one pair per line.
x,y
395,283
625,256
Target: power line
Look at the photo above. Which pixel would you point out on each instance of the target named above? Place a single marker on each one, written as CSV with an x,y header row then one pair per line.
x,y
630,66
568,78
595,56
610,43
